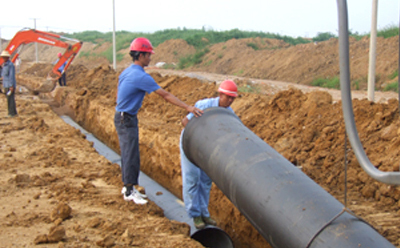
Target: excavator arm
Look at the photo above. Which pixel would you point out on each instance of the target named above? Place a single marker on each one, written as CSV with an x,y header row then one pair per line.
x,y
26,36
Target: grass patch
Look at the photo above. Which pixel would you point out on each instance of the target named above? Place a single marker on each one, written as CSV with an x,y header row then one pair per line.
x,y
389,31
249,88
240,72
169,66
253,45
392,87
356,85
208,63
394,74
330,83
192,60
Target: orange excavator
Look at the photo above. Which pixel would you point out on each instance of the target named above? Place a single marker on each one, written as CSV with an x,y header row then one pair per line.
x,y
26,36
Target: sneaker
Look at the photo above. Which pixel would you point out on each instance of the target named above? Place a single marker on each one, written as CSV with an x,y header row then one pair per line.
x,y
135,197
209,221
137,191
198,222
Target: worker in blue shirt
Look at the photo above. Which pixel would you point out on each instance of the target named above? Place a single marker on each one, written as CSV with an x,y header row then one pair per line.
x,y
62,81
196,185
133,84
9,82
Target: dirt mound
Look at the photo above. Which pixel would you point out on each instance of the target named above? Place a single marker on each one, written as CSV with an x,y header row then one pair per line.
x,y
55,183
171,51
300,64
306,128
259,58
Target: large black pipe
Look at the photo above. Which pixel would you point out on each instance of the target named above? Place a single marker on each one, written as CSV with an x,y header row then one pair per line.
x,y
279,200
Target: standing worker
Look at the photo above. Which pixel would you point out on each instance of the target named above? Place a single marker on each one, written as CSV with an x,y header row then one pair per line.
x,y
196,185
133,84
9,82
62,81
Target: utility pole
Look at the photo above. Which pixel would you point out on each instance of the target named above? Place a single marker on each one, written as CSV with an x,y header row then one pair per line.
x,y
36,46
114,52
372,51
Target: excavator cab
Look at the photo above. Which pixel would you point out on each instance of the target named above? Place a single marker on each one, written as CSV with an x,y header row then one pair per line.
x,y
26,36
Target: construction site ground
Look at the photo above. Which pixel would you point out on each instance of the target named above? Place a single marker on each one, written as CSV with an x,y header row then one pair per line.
x,y
57,191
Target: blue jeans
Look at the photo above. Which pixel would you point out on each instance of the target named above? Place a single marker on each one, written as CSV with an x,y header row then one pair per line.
x,y
196,186
128,135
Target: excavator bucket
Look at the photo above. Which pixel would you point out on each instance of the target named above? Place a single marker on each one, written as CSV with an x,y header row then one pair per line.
x,y
37,84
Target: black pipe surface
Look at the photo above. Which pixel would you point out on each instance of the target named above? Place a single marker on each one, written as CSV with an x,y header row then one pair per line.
x,y
286,207
213,237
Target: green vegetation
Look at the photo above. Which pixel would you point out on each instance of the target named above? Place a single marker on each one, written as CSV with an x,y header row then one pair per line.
x,y
192,60
253,45
249,88
392,87
331,83
356,85
208,63
199,38
388,31
323,36
202,38
240,72
394,74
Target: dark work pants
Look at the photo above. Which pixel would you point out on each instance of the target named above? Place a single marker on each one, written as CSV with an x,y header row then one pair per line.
x,y
12,109
128,135
62,81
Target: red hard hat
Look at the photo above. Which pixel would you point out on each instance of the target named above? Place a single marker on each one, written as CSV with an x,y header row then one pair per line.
x,y
228,87
59,55
141,45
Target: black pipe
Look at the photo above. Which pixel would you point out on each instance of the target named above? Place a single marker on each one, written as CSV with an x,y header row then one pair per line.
x,y
286,207
213,237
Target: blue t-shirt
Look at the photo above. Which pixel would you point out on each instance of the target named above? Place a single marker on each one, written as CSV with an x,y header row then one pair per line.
x,y
61,68
133,83
207,103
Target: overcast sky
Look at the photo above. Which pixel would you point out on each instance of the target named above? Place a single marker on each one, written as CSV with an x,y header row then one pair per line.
x,y
294,18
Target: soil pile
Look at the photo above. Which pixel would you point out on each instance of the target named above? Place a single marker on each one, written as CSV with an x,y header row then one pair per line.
x,y
304,126
259,58
58,191
300,64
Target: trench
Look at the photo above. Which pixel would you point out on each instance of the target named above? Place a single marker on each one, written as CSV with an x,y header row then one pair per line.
x,y
91,104
210,236
171,203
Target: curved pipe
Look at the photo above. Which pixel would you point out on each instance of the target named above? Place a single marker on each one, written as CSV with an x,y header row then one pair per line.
x,y
173,207
369,168
281,202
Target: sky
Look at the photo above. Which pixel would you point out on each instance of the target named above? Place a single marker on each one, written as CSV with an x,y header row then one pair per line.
x,y
296,18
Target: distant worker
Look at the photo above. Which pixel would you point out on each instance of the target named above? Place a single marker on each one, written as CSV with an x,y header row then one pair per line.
x,y
133,84
196,185
62,81
9,82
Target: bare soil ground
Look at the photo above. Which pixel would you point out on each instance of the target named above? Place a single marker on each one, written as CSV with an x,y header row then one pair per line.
x,y
55,189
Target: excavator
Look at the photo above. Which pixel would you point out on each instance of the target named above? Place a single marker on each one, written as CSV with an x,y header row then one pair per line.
x,y
26,36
